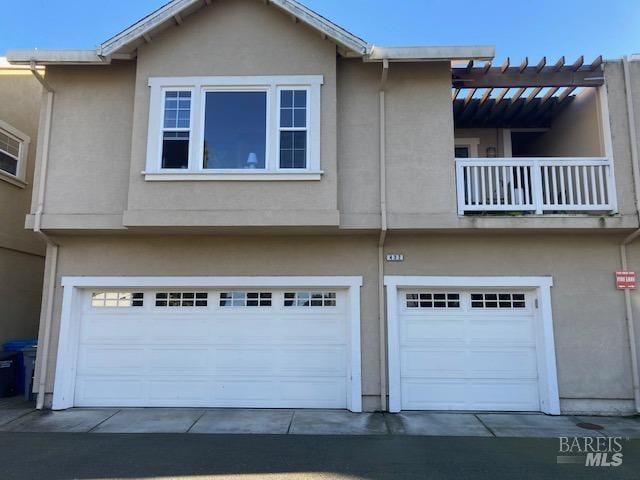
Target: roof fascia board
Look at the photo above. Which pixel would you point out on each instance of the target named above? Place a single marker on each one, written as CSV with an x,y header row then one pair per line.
x,y
50,57
166,13
431,53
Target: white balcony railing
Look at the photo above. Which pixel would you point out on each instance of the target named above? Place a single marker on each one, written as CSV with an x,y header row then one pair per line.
x,y
538,185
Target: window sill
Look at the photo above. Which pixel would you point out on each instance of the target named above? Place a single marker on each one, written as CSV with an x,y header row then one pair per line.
x,y
232,176
7,177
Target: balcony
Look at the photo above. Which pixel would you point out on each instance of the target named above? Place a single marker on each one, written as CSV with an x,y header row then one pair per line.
x,y
533,139
535,185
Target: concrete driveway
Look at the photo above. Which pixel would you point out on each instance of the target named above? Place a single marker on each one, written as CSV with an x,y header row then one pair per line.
x,y
311,422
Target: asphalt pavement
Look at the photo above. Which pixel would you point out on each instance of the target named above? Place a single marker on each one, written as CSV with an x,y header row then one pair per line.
x,y
55,456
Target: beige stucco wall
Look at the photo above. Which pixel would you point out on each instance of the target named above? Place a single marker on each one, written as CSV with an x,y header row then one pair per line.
x,y
589,321
21,252
90,152
575,132
20,294
19,107
236,37
99,137
488,137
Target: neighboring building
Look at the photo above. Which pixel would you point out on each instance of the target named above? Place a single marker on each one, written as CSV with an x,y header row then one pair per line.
x,y
21,251
229,183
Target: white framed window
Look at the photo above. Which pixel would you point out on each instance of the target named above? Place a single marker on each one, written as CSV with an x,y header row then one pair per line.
x,y
234,128
14,147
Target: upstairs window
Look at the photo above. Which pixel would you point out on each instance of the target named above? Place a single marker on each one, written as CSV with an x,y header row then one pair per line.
x,y
234,128
293,130
13,154
176,129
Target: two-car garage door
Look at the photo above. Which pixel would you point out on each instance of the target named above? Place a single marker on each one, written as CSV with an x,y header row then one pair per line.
x,y
251,347
465,349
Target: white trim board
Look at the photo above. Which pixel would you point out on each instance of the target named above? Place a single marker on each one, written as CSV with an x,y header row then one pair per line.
x,y
68,340
545,344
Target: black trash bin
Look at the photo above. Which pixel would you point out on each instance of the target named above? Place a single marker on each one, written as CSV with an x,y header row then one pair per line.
x,y
8,374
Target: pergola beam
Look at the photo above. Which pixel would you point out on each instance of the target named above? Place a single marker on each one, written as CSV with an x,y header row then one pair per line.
x,y
529,77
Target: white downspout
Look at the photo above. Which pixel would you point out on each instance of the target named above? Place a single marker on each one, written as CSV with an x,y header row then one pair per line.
x,y
382,238
633,138
51,267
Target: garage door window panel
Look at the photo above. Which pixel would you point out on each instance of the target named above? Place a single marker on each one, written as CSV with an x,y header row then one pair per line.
x,y
503,300
182,299
432,300
117,299
245,299
310,299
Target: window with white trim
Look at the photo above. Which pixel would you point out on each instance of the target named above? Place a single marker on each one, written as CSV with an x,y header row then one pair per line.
x,y
204,128
176,129
14,146
292,128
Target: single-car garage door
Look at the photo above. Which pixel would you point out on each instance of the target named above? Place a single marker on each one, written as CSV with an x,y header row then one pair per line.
x,y
468,350
250,347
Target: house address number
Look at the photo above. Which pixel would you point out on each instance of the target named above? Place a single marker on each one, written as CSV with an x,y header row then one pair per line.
x,y
395,257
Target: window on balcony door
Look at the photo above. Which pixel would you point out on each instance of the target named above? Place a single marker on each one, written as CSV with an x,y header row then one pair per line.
x,y
14,146
236,128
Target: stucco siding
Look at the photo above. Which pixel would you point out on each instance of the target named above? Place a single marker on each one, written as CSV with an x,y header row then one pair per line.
x,y
19,107
589,320
575,132
90,139
20,294
236,38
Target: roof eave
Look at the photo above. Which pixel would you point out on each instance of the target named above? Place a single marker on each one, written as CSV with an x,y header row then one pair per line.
x,y
56,57
431,53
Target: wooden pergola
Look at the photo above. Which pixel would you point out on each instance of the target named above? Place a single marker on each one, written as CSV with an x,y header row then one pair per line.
x,y
522,96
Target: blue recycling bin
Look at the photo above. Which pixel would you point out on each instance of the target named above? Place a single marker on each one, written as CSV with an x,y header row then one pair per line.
x,y
17,346
8,372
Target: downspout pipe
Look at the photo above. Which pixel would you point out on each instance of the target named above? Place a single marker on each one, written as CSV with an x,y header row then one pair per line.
x,y
51,267
382,238
633,139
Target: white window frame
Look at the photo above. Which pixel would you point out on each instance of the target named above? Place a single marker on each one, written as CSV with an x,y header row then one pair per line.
x,y
19,179
163,129
307,129
198,87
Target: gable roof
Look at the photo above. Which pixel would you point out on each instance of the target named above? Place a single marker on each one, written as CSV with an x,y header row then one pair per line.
x,y
124,44
172,12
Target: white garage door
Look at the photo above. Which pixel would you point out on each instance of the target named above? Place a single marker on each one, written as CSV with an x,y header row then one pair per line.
x,y
468,350
255,347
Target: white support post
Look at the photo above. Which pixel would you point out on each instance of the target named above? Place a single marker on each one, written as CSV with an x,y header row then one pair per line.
x,y
460,187
536,182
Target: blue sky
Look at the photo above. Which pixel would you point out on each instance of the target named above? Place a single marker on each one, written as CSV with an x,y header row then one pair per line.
x,y
518,28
